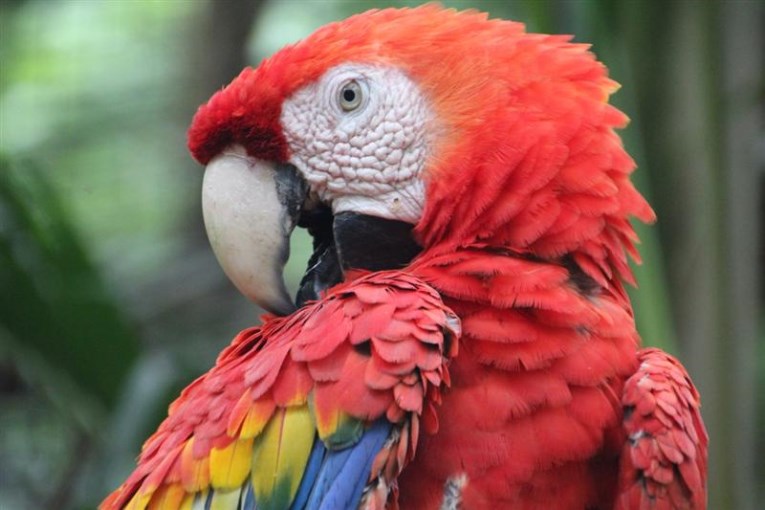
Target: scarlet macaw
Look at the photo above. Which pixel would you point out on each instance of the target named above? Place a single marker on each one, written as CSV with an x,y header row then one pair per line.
x,y
464,185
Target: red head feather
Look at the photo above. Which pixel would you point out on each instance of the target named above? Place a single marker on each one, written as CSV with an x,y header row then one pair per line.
x,y
526,156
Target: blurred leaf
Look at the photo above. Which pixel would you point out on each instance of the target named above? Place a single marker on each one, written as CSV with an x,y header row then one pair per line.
x,y
56,303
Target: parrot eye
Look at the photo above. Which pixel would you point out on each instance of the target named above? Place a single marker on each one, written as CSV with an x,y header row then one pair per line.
x,y
350,96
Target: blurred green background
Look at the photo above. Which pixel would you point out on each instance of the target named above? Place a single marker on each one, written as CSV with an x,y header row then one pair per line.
x,y
111,300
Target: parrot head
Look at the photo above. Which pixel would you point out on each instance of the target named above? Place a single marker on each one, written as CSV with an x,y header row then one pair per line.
x,y
403,131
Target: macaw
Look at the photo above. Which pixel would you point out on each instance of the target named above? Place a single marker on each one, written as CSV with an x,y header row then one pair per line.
x,y
462,337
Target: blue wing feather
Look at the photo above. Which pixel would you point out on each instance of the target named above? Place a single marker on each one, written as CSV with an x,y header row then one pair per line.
x,y
348,484
248,500
313,466
332,480
336,479
330,468
346,472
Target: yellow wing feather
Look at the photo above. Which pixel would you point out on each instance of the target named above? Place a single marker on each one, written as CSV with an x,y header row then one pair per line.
x,y
230,466
187,502
168,497
256,419
278,464
225,499
195,473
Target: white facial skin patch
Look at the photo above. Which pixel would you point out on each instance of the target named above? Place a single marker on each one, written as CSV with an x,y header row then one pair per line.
x,y
359,137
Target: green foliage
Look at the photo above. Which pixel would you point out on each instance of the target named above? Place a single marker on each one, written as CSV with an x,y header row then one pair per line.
x,y
57,304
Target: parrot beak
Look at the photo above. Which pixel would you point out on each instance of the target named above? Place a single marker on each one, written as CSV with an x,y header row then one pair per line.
x,y
250,208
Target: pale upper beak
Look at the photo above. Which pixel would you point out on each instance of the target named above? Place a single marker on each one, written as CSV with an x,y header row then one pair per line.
x,y
250,208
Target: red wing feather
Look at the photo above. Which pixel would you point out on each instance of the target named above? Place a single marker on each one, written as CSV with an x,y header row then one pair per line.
x,y
373,347
664,461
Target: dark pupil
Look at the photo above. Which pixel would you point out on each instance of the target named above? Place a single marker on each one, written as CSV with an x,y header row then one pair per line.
x,y
349,95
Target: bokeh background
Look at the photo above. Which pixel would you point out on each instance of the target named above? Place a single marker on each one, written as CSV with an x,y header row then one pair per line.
x,y
111,300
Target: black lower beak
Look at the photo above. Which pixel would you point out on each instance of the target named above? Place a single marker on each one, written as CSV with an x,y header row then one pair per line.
x,y
351,240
